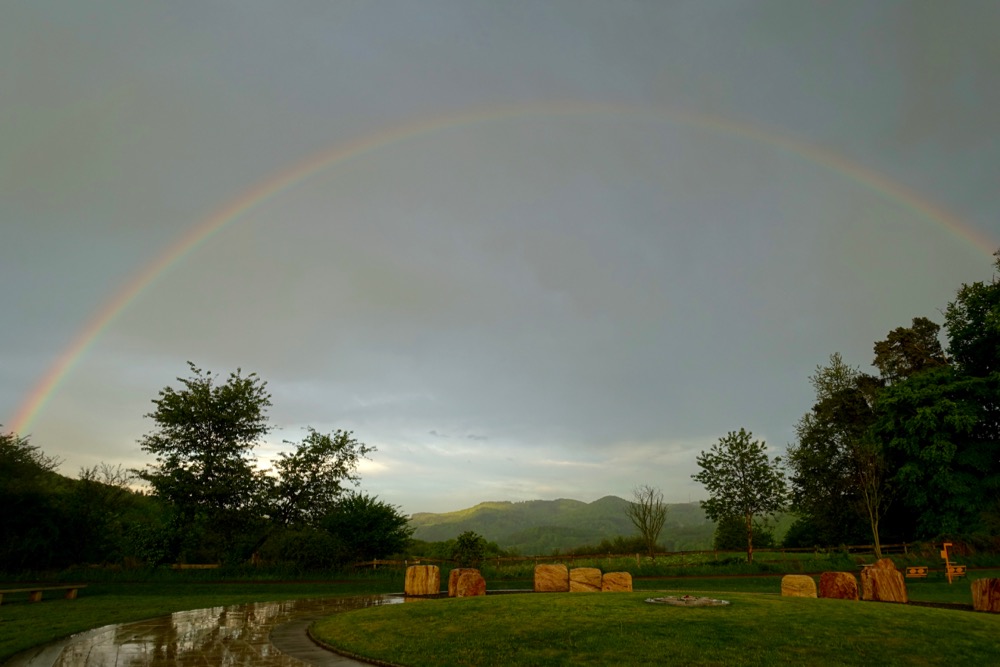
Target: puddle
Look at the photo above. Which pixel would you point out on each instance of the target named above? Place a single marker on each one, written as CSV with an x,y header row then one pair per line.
x,y
233,635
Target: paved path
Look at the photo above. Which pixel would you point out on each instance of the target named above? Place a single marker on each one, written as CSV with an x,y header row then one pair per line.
x,y
259,633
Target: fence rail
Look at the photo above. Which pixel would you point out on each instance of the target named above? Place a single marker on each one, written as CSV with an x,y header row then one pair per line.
x,y
853,549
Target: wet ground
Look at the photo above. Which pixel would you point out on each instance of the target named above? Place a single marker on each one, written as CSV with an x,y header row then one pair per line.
x,y
260,633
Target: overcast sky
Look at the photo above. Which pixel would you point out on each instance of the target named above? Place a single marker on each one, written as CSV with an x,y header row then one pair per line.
x,y
528,249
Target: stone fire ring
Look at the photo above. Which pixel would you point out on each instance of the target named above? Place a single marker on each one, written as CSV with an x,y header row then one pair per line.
x,y
688,601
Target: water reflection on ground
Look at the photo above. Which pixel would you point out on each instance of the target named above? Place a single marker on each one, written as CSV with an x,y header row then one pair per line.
x,y
233,635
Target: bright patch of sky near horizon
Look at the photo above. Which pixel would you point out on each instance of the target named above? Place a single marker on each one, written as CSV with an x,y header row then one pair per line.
x,y
533,305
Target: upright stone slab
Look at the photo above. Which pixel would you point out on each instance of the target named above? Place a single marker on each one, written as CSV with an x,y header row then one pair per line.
x,y
470,584
585,580
614,582
882,582
986,595
423,580
839,585
551,579
798,586
453,579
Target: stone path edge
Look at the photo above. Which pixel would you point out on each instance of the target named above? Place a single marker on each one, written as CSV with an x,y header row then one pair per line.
x,y
353,656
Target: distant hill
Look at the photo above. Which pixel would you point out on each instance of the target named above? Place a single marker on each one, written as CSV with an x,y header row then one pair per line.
x,y
542,526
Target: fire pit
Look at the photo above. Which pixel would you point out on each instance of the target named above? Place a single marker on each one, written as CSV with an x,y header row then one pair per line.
x,y
688,601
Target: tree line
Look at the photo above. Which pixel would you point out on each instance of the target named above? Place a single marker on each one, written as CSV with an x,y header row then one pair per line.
x,y
911,452
209,499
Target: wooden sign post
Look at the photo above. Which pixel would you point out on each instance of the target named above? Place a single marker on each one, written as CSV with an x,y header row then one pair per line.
x,y
947,565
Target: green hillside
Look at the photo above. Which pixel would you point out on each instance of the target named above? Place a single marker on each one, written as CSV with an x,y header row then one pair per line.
x,y
542,526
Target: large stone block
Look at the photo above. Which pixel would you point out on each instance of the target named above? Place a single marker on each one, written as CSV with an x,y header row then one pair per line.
x,y
423,580
470,584
551,579
613,582
986,595
884,564
453,578
839,585
798,586
882,582
585,580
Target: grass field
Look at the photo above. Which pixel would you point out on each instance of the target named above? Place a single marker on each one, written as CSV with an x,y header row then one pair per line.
x,y
619,629
117,598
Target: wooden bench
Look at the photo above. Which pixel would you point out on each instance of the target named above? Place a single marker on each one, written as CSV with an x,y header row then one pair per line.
x,y
956,570
916,572
35,592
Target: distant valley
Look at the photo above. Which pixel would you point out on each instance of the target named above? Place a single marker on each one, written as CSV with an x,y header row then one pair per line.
x,y
542,526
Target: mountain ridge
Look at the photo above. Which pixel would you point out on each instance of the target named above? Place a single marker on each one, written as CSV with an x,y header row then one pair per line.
x,y
536,527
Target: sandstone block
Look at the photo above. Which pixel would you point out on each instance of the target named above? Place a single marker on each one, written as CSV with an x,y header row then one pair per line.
x,y
453,578
423,580
798,586
551,579
613,582
585,580
882,582
986,595
884,564
470,584
839,585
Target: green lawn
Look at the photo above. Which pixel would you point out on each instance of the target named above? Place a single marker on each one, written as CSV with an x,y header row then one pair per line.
x,y
620,628
24,625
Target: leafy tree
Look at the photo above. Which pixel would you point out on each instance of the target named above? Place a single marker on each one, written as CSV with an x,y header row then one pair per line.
x,y
909,350
305,548
311,479
838,468
99,504
368,528
973,324
222,504
741,480
205,471
616,545
945,471
803,533
648,513
469,549
730,534
820,467
941,426
32,518
22,463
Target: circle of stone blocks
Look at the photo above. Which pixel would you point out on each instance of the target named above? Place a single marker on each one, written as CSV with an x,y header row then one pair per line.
x,y
423,580
986,595
470,584
613,582
585,580
882,582
838,585
798,586
551,579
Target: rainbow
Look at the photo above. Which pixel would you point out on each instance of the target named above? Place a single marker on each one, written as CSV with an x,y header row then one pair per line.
x,y
234,210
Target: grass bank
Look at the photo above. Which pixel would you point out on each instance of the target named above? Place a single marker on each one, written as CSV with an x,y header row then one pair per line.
x,y
606,629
